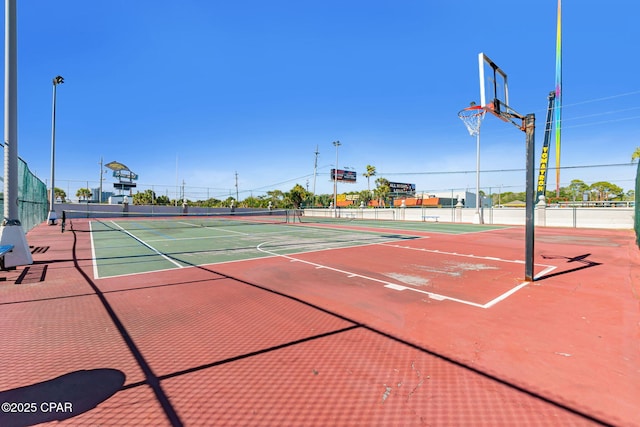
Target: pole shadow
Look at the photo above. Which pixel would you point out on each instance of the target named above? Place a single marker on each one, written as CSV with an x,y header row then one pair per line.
x,y
581,259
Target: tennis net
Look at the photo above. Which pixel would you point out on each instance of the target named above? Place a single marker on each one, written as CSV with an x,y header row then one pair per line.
x,y
97,220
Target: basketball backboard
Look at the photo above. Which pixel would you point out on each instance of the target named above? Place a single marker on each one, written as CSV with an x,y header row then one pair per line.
x,y
494,90
493,84
494,98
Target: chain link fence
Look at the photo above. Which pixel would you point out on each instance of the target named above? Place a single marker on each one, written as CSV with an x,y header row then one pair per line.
x,y
33,204
636,219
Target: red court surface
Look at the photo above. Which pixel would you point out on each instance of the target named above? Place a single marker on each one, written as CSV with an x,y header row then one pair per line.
x,y
440,331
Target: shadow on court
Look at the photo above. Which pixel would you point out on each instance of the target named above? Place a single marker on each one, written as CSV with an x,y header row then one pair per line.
x,y
580,259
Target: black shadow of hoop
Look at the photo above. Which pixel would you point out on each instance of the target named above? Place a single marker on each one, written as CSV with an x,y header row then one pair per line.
x,y
582,259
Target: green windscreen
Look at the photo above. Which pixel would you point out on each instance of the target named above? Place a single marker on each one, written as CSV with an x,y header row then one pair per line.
x,y
636,216
33,204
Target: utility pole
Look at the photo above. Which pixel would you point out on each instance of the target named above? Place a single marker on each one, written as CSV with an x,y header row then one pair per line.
x,y
315,170
177,186
335,181
100,189
236,186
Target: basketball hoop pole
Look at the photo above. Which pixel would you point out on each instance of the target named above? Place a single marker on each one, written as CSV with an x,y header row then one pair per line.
x,y
530,128
472,119
494,98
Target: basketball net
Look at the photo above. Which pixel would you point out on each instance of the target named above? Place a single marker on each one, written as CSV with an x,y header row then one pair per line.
x,y
472,118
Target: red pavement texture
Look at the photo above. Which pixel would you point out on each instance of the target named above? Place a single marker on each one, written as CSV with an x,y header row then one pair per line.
x,y
279,342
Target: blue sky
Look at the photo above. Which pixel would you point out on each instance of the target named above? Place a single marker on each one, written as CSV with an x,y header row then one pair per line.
x,y
195,91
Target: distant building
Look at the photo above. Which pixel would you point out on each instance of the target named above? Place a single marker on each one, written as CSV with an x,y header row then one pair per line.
x,y
116,199
95,195
442,199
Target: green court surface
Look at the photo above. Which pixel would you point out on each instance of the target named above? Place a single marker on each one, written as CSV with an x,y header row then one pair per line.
x,y
123,247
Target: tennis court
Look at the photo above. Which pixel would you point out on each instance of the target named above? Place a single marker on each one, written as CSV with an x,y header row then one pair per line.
x,y
403,257
130,246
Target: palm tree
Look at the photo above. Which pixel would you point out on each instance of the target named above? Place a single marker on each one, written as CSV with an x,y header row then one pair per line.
x,y
60,194
371,171
382,190
83,193
636,154
297,195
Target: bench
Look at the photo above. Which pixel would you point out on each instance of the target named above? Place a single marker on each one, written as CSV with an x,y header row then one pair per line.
x,y
4,249
433,217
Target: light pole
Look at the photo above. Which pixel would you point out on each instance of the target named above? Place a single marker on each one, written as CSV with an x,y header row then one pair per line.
x,y
11,231
335,181
478,215
472,118
52,213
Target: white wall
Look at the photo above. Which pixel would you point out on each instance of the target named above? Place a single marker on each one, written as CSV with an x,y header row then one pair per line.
x,y
617,218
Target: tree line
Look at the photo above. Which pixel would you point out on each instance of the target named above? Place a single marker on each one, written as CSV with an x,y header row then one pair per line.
x,y
577,190
299,197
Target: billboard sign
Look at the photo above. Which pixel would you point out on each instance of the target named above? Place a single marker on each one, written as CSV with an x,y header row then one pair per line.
x,y
343,176
125,174
400,187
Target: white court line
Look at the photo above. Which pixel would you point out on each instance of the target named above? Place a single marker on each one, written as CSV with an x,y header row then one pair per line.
x,y
437,297
149,246
310,251
239,260
487,305
217,227
432,295
223,236
436,251
212,228
387,284
494,301
228,231
319,266
94,260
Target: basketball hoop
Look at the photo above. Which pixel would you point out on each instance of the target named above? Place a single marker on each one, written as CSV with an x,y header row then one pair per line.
x,y
472,118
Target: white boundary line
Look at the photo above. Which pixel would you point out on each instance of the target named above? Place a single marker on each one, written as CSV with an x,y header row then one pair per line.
x,y
218,228
149,246
432,295
94,259
436,251
246,259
